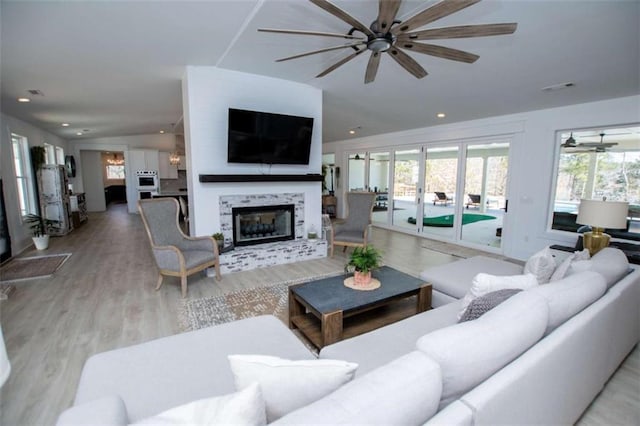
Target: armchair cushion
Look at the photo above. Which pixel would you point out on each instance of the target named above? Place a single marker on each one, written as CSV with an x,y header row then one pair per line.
x,y
349,236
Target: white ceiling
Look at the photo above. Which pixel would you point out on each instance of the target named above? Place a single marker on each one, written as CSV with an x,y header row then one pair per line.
x,y
115,67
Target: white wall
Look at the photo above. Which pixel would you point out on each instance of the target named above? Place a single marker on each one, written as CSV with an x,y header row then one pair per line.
x,y
93,183
533,155
208,93
19,233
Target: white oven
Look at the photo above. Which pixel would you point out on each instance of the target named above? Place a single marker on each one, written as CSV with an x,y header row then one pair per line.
x,y
147,180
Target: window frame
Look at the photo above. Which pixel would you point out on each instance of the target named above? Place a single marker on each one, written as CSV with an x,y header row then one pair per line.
x,y
558,140
24,178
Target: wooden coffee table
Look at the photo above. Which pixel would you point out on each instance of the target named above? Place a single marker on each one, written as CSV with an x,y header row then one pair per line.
x,y
325,311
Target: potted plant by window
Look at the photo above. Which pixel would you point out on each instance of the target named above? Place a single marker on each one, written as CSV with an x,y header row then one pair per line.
x,y
219,240
39,227
362,261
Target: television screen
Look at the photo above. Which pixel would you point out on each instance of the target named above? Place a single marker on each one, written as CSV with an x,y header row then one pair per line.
x,y
267,138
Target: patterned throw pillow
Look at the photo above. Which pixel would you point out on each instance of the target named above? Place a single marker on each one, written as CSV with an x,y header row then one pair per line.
x,y
483,304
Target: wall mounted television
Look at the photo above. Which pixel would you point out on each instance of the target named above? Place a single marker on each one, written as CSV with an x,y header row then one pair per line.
x,y
268,138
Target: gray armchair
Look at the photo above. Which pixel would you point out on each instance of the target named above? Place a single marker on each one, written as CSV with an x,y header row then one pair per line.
x,y
175,253
353,231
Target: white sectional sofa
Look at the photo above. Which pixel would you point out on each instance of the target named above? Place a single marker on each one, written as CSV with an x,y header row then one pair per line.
x,y
540,357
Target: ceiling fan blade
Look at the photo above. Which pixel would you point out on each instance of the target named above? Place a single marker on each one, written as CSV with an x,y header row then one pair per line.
x,y
312,33
326,49
372,67
407,62
387,11
440,51
340,63
433,13
462,31
341,14
597,144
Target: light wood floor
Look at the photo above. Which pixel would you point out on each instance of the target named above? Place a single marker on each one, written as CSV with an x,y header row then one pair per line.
x,y
103,298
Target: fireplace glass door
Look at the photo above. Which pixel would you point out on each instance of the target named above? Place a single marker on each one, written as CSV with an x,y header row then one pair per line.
x,y
262,224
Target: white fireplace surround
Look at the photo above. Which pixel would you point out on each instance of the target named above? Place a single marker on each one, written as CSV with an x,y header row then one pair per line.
x,y
228,202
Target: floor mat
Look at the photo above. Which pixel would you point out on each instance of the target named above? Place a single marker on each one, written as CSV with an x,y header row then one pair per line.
x,y
29,268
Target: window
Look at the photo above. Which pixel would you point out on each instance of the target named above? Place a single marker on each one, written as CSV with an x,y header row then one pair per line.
x,y
24,178
595,164
115,172
59,156
49,154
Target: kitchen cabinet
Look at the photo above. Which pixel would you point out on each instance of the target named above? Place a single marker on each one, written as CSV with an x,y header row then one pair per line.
x,y
166,169
143,159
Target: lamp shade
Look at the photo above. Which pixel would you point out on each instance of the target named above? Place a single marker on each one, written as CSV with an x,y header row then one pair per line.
x,y
603,214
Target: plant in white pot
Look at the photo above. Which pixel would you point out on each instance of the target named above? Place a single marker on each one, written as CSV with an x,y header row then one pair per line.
x,y
363,260
39,226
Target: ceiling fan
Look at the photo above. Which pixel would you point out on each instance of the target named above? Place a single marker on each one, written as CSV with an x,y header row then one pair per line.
x,y
576,147
396,37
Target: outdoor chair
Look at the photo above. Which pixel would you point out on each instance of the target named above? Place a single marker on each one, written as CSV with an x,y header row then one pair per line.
x,y
176,254
442,198
474,200
353,231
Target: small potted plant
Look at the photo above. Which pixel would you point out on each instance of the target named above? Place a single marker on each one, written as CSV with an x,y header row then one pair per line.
x,y
362,261
39,226
219,239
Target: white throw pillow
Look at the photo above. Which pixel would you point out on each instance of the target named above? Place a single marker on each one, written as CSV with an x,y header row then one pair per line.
x,y
542,264
405,391
241,408
288,385
485,283
563,269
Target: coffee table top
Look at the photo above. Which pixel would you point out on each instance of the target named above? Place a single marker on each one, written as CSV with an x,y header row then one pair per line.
x,y
330,294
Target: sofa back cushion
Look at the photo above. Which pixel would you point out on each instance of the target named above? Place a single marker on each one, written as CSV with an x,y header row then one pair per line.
x,y
406,391
469,352
570,295
610,262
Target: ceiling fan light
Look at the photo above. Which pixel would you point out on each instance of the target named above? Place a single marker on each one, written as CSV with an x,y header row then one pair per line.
x,y
379,44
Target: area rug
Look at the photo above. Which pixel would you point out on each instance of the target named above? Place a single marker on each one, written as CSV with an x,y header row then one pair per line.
x,y
272,299
29,268
447,220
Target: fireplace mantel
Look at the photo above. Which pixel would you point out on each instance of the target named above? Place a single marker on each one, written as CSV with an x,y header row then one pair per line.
x,y
262,178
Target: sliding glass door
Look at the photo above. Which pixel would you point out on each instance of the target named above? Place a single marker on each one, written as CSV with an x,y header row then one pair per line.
x,y
379,183
485,192
406,172
440,182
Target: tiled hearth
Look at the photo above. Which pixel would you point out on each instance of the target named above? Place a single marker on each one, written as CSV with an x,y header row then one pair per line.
x,y
269,254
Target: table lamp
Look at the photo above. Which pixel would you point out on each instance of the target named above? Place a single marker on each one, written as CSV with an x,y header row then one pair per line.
x,y
600,214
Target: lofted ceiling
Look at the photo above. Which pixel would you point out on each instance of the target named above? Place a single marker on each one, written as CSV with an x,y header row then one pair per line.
x,y
114,68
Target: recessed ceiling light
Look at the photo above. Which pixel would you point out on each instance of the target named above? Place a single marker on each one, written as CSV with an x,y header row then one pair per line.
x,y
441,115
352,132
24,100
65,124
79,133
161,131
